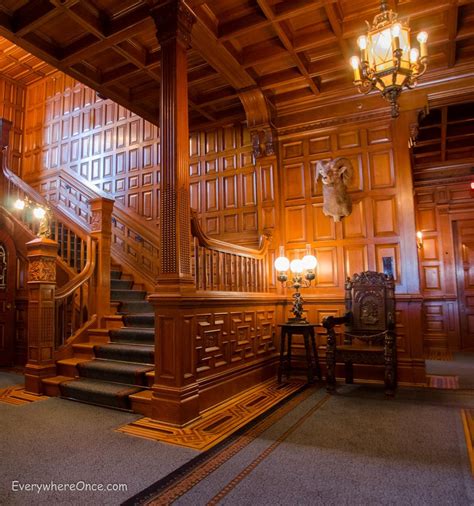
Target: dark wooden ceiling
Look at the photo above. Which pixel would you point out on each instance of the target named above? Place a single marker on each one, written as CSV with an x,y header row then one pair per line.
x,y
295,51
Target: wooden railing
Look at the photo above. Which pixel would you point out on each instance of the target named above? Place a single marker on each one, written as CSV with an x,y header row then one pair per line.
x,y
217,265
220,266
75,301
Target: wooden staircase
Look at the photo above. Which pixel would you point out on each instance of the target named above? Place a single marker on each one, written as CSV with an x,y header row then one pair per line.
x,y
115,366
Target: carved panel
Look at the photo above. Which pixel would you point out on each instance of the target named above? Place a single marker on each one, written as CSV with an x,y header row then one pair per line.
x,y
385,216
355,259
431,277
296,223
324,227
427,220
350,139
327,274
42,269
381,170
294,181
354,225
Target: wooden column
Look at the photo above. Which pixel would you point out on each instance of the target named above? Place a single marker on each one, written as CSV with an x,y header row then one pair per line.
x,y
42,255
175,392
173,21
101,229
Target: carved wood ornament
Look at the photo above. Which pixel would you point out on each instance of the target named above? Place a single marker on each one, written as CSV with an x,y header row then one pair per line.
x,y
42,269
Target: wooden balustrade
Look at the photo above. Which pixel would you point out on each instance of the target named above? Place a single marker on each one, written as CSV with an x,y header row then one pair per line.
x,y
220,266
76,244
76,301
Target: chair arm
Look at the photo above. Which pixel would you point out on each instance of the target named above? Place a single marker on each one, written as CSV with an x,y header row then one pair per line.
x,y
331,321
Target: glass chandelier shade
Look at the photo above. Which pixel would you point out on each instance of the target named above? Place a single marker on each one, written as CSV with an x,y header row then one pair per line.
x,y
387,61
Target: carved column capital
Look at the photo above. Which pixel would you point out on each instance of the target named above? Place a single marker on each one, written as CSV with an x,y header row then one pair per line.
x,y
263,142
173,20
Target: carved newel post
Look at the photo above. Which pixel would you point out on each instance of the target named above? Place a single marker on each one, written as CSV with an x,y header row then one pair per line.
x,y
42,253
175,392
101,229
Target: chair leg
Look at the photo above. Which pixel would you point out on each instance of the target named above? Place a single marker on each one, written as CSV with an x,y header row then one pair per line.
x,y
390,378
349,372
330,370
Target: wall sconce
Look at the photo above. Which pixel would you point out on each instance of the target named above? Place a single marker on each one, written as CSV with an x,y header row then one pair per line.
x,y
41,213
303,273
419,239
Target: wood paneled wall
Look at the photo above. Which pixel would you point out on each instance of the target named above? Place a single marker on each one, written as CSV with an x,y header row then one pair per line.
x,y
67,125
12,108
439,206
374,230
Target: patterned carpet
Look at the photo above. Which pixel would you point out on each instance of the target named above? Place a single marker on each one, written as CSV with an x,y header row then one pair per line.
x,y
313,448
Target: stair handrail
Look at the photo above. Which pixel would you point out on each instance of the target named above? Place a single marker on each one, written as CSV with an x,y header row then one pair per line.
x,y
119,209
81,230
226,247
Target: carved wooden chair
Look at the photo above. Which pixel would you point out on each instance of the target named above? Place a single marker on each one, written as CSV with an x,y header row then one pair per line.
x,y
369,335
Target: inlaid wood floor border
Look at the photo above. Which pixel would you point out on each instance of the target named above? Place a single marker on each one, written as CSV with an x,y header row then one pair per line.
x,y
176,484
443,382
467,416
439,355
16,395
217,423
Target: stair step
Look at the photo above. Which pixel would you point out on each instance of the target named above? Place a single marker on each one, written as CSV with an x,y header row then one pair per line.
x,y
141,402
139,320
51,385
98,335
115,371
138,306
126,295
114,274
69,366
99,392
121,284
126,352
133,335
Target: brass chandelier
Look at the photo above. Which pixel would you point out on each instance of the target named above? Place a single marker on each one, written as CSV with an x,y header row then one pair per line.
x,y
387,62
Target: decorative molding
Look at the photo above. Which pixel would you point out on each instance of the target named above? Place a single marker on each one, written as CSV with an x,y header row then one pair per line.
x,y
173,20
376,115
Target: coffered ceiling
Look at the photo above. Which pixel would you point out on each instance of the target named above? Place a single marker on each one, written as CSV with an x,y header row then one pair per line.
x,y
295,51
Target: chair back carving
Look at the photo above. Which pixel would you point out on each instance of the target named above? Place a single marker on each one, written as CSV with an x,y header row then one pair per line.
x,y
370,299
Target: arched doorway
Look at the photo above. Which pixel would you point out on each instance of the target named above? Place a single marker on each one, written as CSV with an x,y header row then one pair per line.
x,y
7,299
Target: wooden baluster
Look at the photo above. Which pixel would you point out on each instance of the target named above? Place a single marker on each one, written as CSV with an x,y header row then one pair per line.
x,y
68,247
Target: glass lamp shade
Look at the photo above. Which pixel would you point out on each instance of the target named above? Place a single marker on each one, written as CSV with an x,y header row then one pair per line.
x,y
296,266
39,212
282,264
309,262
19,204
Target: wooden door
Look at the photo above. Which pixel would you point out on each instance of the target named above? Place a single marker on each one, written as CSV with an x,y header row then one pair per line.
x,y
7,299
464,240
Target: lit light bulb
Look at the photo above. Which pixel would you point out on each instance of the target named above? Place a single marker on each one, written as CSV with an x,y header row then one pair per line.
x,y
354,62
296,266
19,204
362,42
309,262
396,29
419,235
414,54
422,37
39,212
282,264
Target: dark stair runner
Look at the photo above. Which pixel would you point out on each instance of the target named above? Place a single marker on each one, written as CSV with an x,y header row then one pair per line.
x,y
119,367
